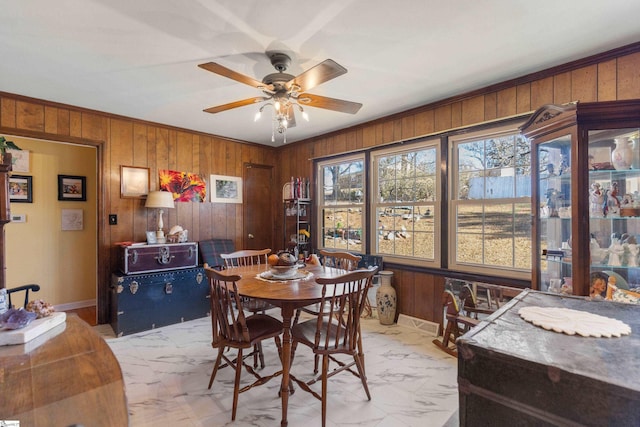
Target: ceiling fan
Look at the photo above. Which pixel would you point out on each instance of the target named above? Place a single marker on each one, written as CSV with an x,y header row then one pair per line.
x,y
285,92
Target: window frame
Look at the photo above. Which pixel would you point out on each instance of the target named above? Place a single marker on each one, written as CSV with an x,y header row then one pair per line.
x,y
321,206
430,143
454,202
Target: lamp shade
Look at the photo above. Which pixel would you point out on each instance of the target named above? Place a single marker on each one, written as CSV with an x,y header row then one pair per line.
x,y
159,199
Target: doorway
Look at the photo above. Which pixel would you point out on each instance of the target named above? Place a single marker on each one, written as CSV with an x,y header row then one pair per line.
x,y
56,234
258,218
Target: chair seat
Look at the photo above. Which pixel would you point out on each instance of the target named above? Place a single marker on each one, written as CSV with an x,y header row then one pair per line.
x,y
260,326
305,333
315,309
263,326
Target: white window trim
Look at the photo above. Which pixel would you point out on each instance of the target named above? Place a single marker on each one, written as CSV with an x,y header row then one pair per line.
x,y
454,140
320,206
437,204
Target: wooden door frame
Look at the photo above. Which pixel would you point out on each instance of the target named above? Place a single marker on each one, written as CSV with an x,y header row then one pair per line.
x,y
103,268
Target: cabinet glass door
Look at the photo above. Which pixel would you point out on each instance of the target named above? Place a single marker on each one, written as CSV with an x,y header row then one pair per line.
x,y
554,190
614,212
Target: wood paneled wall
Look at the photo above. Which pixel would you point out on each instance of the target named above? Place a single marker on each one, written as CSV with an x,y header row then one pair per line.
x,y
129,142
125,141
613,75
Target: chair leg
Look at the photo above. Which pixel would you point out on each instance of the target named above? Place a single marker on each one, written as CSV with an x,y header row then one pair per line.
x,y
260,355
360,348
316,362
216,365
256,352
325,369
236,386
363,377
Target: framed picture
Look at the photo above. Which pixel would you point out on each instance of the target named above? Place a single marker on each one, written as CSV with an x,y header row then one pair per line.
x,y
72,220
19,160
72,188
134,182
20,189
152,237
226,189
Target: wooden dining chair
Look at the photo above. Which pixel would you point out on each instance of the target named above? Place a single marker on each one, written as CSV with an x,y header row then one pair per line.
x,y
341,260
244,258
337,332
232,329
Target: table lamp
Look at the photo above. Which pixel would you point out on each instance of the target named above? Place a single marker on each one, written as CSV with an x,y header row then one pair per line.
x,y
160,200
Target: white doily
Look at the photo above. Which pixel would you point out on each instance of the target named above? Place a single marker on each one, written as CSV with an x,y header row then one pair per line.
x,y
571,322
268,276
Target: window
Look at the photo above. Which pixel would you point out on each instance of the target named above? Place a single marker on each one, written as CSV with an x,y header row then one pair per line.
x,y
490,204
342,203
406,203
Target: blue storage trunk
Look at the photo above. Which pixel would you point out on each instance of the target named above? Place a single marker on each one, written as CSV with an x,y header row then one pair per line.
x,y
141,302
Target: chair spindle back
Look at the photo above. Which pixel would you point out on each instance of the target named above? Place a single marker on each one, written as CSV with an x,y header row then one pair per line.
x,y
344,296
338,259
245,257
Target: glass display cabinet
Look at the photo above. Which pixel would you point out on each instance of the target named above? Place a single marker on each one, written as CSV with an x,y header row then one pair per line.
x,y
586,203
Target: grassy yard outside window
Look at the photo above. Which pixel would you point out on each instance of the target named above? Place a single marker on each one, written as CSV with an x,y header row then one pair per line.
x,y
406,203
490,203
341,205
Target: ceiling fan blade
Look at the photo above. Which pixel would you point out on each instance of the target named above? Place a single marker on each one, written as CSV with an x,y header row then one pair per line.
x,y
235,104
234,75
314,76
318,101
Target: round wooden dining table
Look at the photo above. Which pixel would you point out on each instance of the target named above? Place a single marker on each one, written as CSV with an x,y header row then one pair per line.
x,y
289,295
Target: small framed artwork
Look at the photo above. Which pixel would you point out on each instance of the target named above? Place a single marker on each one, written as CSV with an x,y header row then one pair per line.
x,y
72,188
19,160
152,237
72,220
20,189
226,189
134,182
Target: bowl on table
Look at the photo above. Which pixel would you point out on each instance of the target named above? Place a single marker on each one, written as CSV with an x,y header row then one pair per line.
x,y
283,271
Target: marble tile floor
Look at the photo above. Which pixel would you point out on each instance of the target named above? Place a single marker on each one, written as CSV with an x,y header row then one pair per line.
x,y
166,371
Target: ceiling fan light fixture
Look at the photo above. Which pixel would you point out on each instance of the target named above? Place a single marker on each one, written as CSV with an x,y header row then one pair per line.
x,y
284,91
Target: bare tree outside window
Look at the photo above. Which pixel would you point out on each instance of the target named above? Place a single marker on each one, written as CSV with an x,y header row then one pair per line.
x,y
491,204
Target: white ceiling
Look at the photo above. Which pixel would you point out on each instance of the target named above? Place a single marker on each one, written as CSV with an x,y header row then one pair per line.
x,y
139,58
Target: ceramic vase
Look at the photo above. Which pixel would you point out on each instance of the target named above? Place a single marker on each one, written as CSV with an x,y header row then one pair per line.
x,y
386,299
622,155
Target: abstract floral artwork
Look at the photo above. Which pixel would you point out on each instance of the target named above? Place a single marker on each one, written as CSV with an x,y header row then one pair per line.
x,y
186,187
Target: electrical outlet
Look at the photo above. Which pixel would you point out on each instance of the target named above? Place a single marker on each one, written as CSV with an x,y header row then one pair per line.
x,y
113,219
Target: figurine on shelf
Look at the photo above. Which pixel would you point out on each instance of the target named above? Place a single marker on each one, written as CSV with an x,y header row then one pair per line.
x,y
598,286
554,198
616,250
596,201
613,202
564,165
620,295
632,258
